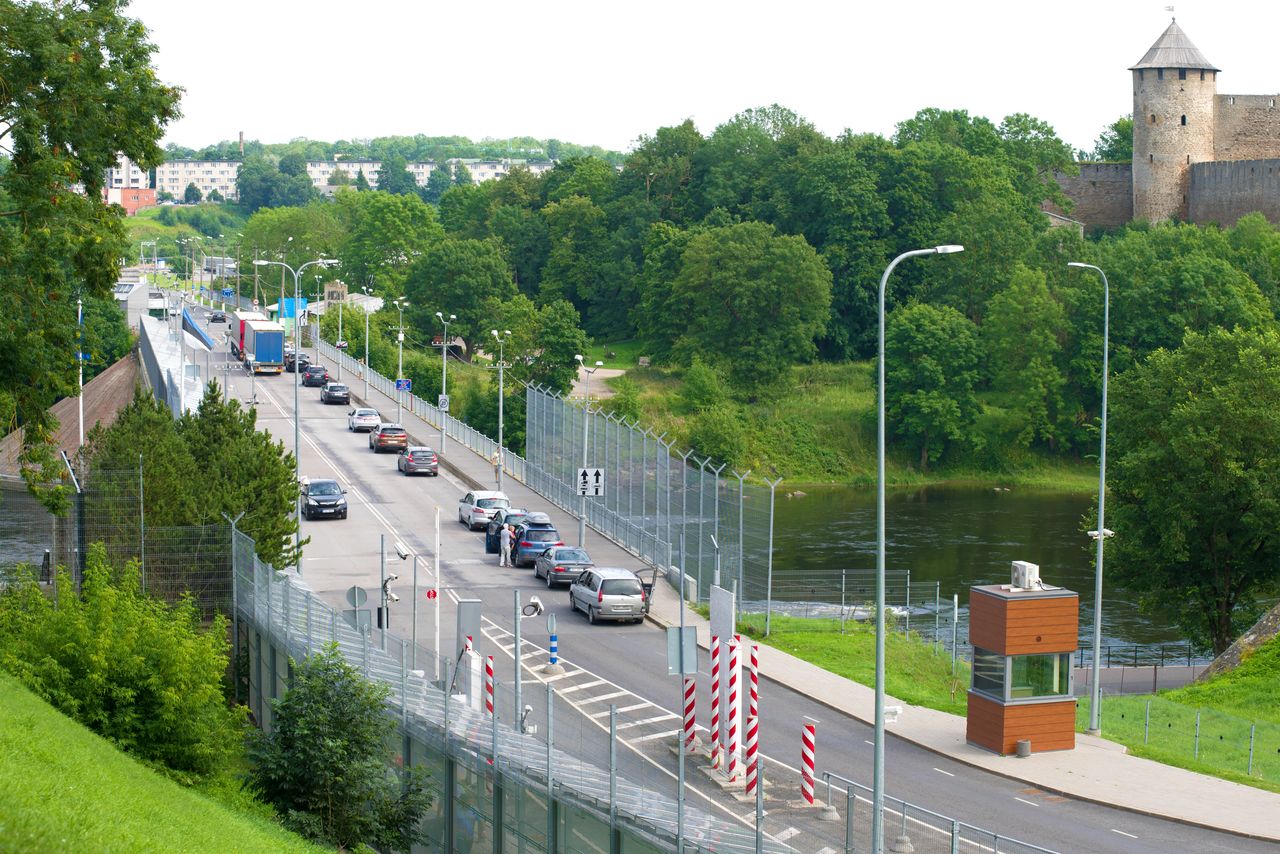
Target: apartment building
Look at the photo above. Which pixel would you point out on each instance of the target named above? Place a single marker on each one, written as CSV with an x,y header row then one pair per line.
x,y
174,176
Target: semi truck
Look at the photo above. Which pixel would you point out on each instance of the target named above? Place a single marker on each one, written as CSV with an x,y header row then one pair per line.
x,y
238,320
264,344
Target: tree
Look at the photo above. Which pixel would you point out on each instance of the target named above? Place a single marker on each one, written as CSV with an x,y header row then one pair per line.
x,y
145,675
361,182
440,180
750,299
462,175
1115,143
931,368
191,195
394,177
385,234
293,164
260,184
339,177
543,342
459,277
464,210
325,764
215,196
1195,481
1023,326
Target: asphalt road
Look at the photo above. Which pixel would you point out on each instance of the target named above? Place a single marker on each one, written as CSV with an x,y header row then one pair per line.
x,y
625,664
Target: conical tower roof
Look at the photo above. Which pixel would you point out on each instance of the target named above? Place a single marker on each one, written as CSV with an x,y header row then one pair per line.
x,y
1174,50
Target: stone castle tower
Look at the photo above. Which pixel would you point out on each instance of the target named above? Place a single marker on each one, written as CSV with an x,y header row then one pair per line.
x,y
1174,96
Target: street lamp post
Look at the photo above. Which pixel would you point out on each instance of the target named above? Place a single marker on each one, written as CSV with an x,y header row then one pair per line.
x,y
367,293
400,305
877,794
502,448
444,375
297,377
1095,687
586,420
80,364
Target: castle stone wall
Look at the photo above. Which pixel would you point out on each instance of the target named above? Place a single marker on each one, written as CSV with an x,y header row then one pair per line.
x,y
1173,127
1246,127
1225,191
1102,193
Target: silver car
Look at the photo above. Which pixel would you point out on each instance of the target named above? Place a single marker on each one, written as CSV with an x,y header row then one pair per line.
x,y
561,563
477,508
605,593
363,418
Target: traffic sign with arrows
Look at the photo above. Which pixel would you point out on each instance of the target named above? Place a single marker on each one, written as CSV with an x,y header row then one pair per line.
x,y
591,482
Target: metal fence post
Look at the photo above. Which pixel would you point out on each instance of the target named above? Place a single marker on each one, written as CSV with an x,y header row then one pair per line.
x,y
1146,723
552,822
615,838
768,605
955,629
1197,752
742,587
955,837
684,511
1253,728
715,504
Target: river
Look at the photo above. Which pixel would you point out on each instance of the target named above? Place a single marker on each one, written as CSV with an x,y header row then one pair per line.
x,y
959,536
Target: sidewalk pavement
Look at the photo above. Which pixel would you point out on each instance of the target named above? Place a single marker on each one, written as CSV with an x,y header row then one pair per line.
x,y
1097,770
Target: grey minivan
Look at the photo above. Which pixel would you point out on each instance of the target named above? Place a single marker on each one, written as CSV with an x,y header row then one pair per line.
x,y
606,593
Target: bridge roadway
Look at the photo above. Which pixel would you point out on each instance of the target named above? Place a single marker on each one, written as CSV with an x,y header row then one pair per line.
x,y
625,664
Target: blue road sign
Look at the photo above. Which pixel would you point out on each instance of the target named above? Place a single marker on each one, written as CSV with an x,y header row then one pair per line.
x,y
226,292
404,385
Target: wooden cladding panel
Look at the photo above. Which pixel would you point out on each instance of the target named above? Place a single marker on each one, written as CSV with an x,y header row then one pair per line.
x,y
999,727
986,621
1023,626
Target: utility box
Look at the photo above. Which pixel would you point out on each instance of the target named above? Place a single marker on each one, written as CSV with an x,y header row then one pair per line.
x,y
1024,641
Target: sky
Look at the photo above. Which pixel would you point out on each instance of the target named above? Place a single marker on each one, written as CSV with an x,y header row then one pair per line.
x,y
608,73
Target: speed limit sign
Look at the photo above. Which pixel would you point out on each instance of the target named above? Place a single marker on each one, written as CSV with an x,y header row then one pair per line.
x,y
431,594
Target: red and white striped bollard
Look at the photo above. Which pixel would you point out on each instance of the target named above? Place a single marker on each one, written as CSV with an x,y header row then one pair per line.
x,y
753,719
690,702
488,685
734,704
715,701
808,739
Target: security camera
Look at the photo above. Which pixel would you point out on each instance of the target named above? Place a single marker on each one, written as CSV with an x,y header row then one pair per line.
x,y
402,551
535,605
391,576
393,598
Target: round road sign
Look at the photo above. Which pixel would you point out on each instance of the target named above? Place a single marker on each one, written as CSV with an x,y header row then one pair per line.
x,y
431,594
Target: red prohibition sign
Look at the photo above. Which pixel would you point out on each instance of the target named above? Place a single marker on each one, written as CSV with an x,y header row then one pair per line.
x,y
431,594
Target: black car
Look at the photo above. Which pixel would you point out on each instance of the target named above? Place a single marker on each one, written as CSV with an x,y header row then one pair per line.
x,y
217,317
335,393
315,375
323,498
504,516
296,361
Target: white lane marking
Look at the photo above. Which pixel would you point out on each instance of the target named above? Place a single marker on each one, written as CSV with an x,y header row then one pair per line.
x,y
584,685
1027,802
940,771
603,697
568,674
873,744
788,834
827,850
1122,833
652,736
653,720
634,707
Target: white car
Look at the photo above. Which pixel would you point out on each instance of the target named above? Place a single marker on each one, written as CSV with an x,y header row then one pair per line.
x,y
477,508
363,419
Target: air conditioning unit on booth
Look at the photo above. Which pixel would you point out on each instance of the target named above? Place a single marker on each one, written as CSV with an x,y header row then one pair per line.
x,y
1026,575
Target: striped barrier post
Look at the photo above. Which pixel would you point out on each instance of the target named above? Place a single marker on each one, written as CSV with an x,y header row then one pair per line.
x,y
753,718
488,685
808,738
734,704
690,700
554,648
715,701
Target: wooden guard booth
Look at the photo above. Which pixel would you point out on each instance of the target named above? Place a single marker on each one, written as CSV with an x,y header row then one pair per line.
x,y
1023,642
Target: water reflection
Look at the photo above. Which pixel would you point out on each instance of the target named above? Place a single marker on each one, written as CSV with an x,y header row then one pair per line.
x,y
958,536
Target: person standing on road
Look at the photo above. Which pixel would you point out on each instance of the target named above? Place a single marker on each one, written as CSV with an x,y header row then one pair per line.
x,y
504,543
496,460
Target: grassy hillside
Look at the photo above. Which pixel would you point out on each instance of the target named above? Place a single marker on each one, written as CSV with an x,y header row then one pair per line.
x,y
65,789
1250,691
821,429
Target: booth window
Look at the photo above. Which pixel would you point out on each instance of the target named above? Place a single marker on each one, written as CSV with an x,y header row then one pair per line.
x,y
1040,676
988,672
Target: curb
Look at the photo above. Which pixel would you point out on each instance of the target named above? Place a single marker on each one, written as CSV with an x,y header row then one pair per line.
x,y
470,481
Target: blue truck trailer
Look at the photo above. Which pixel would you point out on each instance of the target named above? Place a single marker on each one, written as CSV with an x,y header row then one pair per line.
x,y
264,343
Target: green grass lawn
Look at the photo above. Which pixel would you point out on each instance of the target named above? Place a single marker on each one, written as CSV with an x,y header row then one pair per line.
x,y
821,429
625,354
1231,707
916,671
62,788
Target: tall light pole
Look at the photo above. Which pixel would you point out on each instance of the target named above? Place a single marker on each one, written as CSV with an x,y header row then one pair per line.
x,y
369,295
80,364
877,792
502,448
444,375
297,378
400,305
1095,687
586,420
